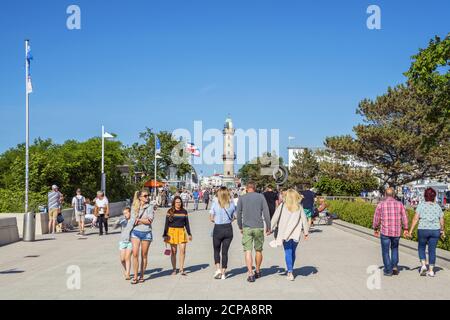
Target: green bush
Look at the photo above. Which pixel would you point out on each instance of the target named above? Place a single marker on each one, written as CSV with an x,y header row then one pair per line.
x,y
361,213
13,201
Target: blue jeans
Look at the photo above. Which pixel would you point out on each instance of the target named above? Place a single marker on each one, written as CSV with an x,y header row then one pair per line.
x,y
195,204
430,237
389,251
289,254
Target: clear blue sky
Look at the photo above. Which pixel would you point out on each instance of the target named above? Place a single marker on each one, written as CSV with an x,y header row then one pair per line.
x,y
301,66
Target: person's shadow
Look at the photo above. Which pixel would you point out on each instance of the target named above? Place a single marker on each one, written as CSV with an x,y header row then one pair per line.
x,y
305,271
264,271
158,272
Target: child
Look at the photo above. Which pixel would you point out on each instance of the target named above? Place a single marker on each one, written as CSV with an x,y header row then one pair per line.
x,y
125,247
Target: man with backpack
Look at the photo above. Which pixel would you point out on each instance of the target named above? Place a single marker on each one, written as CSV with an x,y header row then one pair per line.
x,y
79,205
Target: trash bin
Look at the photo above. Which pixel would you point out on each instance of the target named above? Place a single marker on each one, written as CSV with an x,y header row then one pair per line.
x,y
29,226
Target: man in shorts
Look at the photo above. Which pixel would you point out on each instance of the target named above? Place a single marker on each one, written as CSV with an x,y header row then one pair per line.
x,y
79,205
252,213
54,207
308,204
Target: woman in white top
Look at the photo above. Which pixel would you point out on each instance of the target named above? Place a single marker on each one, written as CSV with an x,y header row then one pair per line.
x,y
289,220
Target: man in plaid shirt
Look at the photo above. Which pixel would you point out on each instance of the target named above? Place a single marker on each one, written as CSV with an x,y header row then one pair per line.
x,y
391,215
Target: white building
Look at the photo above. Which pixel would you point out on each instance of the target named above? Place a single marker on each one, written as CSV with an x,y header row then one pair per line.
x,y
216,180
293,151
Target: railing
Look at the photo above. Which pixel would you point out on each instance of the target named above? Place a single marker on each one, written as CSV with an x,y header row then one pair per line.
x,y
347,198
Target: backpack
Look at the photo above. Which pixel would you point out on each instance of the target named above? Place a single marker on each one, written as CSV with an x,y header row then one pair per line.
x,y
79,204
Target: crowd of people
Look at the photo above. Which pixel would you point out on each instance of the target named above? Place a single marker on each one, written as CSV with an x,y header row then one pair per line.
x,y
287,214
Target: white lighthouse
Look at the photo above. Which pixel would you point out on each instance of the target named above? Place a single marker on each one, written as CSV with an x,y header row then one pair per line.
x,y
228,153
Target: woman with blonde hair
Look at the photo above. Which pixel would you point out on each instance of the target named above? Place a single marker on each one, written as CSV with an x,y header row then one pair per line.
x,y
222,215
287,224
141,232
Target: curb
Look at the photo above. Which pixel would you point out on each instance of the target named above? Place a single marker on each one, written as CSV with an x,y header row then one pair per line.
x,y
406,246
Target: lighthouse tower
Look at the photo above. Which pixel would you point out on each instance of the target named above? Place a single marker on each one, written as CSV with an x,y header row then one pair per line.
x,y
228,153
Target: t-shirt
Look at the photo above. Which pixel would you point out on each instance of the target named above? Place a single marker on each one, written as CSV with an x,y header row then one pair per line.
x,y
271,198
221,215
79,203
101,204
308,199
196,195
54,201
180,219
429,215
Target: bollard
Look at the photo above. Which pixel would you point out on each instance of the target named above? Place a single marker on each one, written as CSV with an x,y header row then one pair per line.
x,y
29,226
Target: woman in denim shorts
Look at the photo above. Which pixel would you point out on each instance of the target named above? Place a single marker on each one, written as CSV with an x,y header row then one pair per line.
x,y
141,235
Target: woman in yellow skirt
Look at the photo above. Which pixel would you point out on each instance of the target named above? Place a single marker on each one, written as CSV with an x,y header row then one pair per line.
x,y
177,233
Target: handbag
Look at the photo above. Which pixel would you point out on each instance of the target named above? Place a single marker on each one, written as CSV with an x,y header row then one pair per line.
x,y
275,231
59,218
167,252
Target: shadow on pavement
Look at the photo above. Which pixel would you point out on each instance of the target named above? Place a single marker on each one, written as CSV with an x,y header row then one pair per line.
x,y
198,267
12,271
264,271
237,271
272,270
305,271
44,239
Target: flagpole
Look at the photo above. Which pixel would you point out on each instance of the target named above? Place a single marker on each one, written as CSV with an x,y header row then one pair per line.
x,y
154,191
103,182
27,126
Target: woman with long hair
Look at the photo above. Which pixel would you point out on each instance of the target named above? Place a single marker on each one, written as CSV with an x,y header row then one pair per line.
x,y
175,229
141,234
222,215
288,222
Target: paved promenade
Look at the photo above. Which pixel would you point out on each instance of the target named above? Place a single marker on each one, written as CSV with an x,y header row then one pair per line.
x,y
332,264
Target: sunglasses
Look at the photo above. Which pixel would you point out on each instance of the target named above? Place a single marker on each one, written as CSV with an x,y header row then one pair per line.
x,y
145,196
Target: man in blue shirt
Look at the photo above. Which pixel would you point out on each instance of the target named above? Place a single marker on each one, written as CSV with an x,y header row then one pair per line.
x,y
196,196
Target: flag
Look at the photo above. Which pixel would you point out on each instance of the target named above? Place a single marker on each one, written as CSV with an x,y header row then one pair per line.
x,y
29,57
158,145
192,149
107,135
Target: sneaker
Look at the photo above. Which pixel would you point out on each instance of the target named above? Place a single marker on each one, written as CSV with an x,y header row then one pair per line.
x,y
224,276
395,272
423,271
257,274
430,273
218,275
251,278
290,277
387,274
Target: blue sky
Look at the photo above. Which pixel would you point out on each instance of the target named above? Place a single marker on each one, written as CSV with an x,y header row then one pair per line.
x,y
300,66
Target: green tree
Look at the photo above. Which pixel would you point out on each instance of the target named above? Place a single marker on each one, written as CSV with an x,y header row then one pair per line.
x,y
429,75
70,165
304,170
260,170
142,155
390,139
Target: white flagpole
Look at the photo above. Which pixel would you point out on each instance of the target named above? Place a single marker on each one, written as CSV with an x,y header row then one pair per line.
x,y
27,125
154,191
103,182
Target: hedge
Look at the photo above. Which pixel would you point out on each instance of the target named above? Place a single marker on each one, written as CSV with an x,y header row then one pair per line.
x,y
13,201
361,213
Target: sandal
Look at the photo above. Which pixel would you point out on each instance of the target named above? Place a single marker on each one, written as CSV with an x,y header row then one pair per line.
x,y
134,281
183,273
141,280
174,273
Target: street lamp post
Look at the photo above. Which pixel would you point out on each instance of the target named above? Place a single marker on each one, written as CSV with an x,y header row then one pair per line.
x,y
105,135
